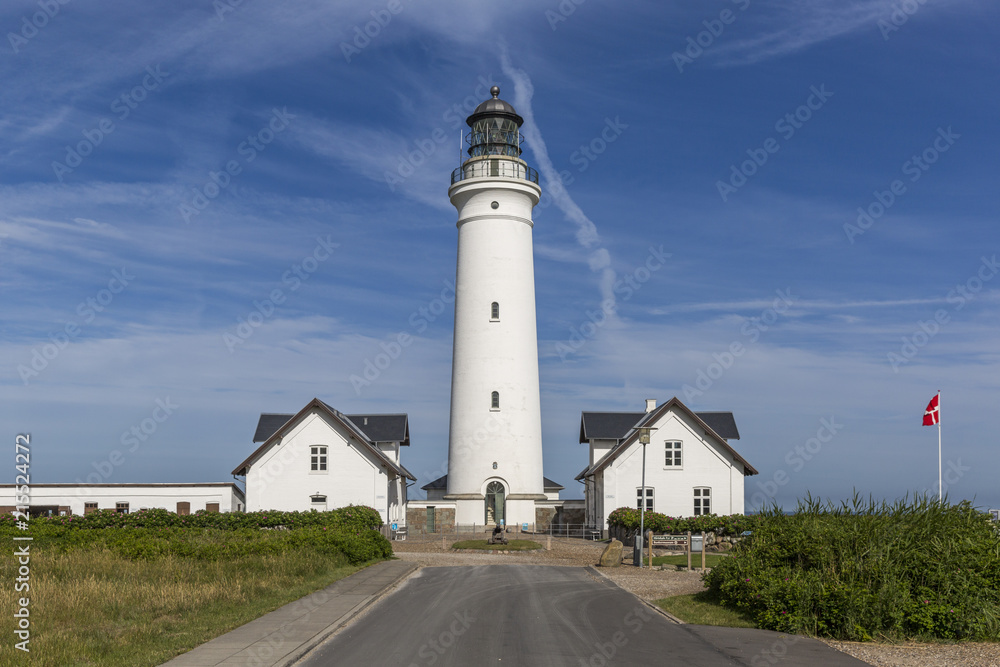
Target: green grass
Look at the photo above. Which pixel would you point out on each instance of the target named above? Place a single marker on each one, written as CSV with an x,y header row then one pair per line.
x,y
91,607
513,545
711,560
701,609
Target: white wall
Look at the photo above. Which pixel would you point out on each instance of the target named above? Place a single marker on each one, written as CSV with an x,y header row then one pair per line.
x,y
495,264
138,496
281,479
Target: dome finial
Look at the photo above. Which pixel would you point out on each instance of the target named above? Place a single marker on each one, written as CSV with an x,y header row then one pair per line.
x,y
495,91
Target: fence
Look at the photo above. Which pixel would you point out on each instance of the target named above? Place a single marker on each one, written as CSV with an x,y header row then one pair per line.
x,y
577,530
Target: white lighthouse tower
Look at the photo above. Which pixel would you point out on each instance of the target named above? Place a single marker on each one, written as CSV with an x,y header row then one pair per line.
x,y
495,440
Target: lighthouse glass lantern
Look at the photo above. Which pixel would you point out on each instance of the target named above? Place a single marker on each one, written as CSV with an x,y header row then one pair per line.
x,y
494,141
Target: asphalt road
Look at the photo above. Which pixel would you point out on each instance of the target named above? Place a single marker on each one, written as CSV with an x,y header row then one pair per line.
x,y
528,615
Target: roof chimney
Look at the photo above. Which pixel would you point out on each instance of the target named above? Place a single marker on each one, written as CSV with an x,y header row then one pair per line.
x,y
650,404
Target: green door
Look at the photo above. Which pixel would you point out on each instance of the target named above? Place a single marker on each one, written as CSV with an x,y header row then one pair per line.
x,y
430,519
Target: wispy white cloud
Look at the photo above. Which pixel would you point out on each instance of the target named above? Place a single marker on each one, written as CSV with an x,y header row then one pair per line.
x,y
599,259
786,28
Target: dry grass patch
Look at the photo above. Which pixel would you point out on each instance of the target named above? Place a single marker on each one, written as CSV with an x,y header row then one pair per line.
x,y
93,607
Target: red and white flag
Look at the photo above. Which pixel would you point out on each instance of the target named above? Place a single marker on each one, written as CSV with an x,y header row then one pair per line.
x,y
932,415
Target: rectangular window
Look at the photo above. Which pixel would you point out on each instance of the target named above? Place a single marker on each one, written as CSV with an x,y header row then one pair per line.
x,y
317,459
211,507
121,508
672,454
89,507
183,508
649,498
702,500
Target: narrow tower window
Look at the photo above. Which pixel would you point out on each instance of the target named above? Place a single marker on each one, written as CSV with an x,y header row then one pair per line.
x,y
495,311
495,401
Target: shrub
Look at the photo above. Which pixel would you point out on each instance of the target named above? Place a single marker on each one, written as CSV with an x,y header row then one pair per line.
x,y
916,568
628,518
352,518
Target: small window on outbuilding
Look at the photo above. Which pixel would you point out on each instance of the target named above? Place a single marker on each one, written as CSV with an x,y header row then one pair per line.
x,y
89,507
702,500
495,312
495,401
121,508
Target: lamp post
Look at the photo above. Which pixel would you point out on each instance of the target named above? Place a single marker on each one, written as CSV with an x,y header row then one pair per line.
x,y
644,439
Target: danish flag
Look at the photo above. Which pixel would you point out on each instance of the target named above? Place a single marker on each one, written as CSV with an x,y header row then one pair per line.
x,y
932,415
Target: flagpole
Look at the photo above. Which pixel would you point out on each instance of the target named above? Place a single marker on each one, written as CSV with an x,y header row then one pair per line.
x,y
940,489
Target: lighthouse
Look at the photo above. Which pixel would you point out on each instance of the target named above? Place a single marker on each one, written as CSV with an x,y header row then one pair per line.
x,y
495,435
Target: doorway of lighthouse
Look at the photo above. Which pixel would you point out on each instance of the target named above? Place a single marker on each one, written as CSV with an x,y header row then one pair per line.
x,y
495,503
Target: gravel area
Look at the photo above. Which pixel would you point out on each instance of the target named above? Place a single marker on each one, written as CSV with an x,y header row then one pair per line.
x,y
429,551
913,654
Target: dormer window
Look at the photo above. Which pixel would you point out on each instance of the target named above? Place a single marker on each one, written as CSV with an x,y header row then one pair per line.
x,y
495,312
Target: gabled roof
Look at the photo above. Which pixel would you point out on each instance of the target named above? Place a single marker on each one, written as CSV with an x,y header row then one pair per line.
x,y
442,483
674,403
267,421
617,425
377,428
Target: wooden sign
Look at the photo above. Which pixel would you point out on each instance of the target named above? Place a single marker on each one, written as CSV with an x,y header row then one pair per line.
x,y
670,540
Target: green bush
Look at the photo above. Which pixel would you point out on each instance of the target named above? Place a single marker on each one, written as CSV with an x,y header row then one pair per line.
x,y
346,535
628,518
913,569
352,518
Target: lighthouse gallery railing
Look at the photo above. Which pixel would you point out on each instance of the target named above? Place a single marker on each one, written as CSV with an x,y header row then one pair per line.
x,y
494,168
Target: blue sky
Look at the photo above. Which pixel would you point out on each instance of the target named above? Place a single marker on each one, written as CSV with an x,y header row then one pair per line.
x,y
210,211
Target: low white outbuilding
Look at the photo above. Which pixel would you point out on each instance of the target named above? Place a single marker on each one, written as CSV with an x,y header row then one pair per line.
x,y
690,467
68,499
321,459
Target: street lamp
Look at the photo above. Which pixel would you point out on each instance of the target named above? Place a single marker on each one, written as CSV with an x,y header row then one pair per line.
x,y
644,439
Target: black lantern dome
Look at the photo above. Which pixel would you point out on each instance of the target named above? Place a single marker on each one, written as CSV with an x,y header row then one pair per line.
x,y
496,128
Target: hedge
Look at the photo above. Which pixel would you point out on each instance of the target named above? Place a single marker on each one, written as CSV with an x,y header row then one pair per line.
x,y
350,518
734,524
